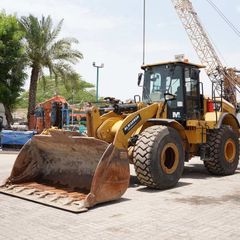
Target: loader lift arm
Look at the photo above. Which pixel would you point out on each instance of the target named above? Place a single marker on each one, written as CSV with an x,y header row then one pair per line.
x,y
131,123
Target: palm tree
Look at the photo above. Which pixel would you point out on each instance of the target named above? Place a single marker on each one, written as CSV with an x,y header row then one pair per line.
x,y
44,50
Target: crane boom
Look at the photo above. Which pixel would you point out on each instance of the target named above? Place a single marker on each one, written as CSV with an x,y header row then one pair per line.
x,y
215,70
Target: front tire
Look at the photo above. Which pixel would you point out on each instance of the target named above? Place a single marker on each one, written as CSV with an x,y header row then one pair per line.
x,y
224,151
158,157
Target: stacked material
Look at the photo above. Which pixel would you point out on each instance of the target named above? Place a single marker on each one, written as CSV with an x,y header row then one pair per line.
x,y
13,139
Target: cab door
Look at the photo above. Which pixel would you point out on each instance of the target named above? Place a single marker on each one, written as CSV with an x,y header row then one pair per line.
x,y
192,93
175,86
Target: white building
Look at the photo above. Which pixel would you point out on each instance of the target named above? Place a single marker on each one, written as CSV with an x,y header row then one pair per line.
x,y
2,113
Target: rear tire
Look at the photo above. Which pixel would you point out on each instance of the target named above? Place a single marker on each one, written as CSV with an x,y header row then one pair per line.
x,y
224,151
158,157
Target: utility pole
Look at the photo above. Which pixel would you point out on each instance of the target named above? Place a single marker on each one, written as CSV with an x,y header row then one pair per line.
x,y
97,66
144,31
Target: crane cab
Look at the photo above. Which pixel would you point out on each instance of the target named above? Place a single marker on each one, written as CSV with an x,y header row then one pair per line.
x,y
179,79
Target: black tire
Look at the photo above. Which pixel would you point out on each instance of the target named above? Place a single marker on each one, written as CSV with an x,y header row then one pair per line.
x,y
158,157
224,151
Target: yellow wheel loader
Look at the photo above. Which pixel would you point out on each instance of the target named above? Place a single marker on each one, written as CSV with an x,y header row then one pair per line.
x,y
173,122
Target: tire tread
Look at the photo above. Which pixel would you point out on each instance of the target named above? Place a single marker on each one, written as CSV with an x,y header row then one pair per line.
x,y
142,154
213,165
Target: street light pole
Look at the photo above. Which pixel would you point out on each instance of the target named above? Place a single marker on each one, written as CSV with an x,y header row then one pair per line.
x,y
97,66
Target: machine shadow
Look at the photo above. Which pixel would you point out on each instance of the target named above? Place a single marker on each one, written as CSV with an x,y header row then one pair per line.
x,y
198,171
191,171
134,183
151,190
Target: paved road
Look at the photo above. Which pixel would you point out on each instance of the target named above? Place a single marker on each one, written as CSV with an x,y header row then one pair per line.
x,y
200,207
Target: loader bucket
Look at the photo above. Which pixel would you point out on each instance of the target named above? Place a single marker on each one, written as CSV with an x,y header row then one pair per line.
x,y
68,172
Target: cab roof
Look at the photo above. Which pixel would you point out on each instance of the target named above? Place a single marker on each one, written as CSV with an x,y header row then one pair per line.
x,y
173,62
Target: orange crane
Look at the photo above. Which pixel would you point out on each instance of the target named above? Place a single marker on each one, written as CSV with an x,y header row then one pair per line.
x,y
225,81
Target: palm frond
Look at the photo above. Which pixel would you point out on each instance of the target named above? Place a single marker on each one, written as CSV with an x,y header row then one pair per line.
x,y
55,32
45,50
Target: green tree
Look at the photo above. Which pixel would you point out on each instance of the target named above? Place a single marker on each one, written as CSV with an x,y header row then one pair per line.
x,y
76,91
12,74
44,50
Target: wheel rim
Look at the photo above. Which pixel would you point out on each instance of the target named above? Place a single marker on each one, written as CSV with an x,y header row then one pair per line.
x,y
230,150
169,158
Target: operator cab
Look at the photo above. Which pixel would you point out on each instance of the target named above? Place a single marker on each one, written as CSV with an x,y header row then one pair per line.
x,y
179,79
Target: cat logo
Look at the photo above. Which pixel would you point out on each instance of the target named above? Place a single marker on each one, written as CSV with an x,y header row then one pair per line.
x,y
176,115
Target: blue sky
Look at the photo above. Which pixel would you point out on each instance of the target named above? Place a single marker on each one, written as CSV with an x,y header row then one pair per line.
x,y
110,32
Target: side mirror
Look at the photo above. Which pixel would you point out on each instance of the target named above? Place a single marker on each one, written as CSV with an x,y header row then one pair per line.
x,y
140,76
169,96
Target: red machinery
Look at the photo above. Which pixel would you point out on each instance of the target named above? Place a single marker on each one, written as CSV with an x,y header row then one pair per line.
x,y
50,113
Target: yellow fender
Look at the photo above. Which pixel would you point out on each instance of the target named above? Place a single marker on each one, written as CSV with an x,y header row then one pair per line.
x,y
228,119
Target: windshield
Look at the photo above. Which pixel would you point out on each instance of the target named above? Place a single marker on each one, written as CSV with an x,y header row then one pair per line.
x,y
162,79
